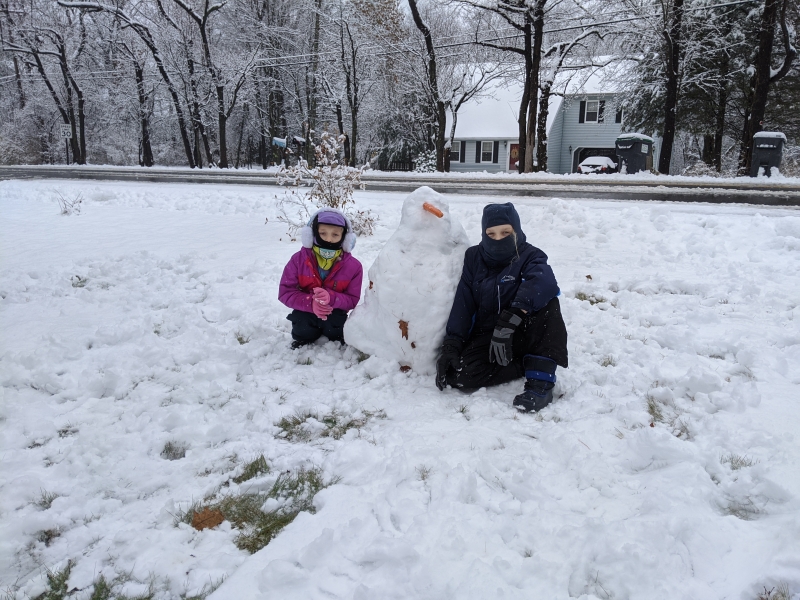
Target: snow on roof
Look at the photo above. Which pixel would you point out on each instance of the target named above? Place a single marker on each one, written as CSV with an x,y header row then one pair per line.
x,y
770,134
494,115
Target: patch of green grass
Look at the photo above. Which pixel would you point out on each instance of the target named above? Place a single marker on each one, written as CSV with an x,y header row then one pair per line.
x,y
47,536
295,493
742,509
590,298
46,499
782,592
654,409
67,431
173,451
252,469
464,410
424,472
336,424
608,361
101,590
737,461
57,583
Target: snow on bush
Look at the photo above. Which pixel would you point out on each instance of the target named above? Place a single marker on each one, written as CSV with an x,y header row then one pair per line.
x,y
411,286
426,162
332,184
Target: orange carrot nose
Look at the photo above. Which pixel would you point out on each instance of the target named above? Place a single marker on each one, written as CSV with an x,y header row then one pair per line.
x,y
433,210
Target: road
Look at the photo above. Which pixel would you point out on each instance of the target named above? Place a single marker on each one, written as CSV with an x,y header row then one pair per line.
x,y
744,190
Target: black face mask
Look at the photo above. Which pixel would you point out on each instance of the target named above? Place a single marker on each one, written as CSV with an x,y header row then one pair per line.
x,y
322,243
498,252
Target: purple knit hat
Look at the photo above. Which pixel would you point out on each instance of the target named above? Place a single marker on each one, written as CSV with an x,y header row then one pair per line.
x,y
331,218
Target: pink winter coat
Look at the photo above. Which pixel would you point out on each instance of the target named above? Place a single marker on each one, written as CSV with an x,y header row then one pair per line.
x,y
301,276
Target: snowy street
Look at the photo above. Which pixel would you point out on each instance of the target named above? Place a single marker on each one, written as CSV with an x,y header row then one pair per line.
x,y
668,466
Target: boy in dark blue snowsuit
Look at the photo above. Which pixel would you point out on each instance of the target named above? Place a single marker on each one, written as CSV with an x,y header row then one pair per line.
x,y
506,320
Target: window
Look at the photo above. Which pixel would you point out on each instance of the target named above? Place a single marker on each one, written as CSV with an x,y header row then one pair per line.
x,y
486,151
455,152
592,111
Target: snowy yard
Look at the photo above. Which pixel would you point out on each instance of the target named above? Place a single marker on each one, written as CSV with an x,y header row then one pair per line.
x,y
145,361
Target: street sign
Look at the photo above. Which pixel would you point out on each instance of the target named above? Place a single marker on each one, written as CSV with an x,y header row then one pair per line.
x,y
66,131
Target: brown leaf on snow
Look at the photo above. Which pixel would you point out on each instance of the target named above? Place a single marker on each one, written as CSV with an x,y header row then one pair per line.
x,y
370,285
207,519
403,328
405,368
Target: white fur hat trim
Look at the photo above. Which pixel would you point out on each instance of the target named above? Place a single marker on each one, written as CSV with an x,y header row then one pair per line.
x,y
307,234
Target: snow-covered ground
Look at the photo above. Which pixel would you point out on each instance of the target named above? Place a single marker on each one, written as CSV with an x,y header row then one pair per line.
x,y
668,467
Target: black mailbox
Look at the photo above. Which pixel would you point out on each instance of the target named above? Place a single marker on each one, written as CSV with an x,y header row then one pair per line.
x,y
634,153
767,152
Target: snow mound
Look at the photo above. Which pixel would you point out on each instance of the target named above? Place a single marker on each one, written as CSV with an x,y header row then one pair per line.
x,y
411,286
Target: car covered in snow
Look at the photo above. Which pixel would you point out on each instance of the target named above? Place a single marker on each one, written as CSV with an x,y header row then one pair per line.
x,y
597,164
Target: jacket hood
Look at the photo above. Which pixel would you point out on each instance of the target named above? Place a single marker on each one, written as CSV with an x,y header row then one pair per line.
x,y
501,214
307,233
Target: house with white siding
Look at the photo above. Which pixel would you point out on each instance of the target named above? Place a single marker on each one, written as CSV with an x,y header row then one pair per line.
x,y
487,133
585,122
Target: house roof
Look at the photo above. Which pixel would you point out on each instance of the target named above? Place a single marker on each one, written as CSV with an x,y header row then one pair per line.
x,y
494,116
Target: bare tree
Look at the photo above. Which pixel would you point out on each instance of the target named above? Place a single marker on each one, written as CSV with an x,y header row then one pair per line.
x,y
144,33
45,37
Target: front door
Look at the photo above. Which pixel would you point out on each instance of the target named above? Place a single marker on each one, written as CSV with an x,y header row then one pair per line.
x,y
513,157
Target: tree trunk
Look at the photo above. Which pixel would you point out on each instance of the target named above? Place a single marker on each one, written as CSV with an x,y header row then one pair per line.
x,y
522,116
77,141
144,117
673,46
18,77
433,85
312,99
222,119
241,135
707,154
541,131
722,107
536,61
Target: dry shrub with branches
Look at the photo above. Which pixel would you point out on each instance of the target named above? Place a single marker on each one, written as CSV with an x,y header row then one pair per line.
x,y
331,184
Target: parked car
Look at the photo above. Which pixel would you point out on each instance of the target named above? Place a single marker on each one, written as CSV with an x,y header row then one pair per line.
x,y
597,164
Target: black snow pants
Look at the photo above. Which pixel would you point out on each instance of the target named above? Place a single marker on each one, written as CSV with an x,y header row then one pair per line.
x,y
542,333
308,327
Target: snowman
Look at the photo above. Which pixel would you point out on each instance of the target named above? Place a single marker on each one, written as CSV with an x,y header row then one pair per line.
x,y
411,286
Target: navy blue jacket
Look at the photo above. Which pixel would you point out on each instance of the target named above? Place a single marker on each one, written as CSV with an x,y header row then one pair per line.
x,y
484,292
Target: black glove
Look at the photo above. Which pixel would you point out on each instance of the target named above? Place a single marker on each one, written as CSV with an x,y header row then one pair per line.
x,y
448,357
503,336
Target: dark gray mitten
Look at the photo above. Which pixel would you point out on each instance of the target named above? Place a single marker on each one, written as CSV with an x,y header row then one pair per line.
x,y
503,336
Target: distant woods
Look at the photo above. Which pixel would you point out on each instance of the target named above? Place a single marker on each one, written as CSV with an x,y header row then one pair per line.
x,y
249,83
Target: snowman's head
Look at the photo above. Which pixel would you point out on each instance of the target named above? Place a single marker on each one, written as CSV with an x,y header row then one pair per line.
x,y
329,229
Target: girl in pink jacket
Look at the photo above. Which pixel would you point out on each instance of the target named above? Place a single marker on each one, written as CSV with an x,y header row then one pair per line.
x,y
322,281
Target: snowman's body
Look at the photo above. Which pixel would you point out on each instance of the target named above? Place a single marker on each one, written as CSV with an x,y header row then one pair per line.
x,y
411,286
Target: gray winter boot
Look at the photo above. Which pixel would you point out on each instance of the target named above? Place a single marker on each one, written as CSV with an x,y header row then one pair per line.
x,y
540,377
